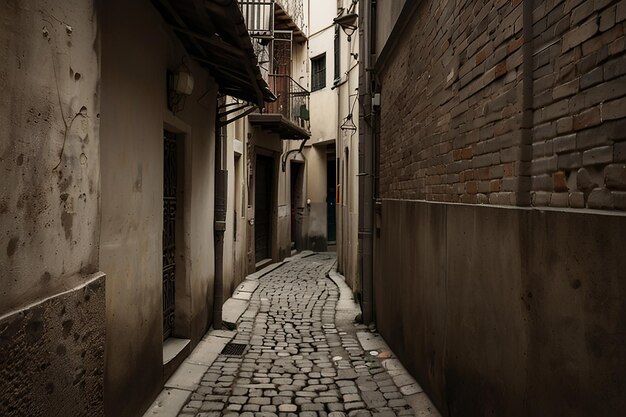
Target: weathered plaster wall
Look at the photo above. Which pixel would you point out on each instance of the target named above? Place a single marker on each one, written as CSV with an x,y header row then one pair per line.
x,y
324,101
348,140
235,268
137,52
51,293
49,217
504,311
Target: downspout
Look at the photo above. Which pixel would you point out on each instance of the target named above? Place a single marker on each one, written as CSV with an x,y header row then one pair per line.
x,y
366,212
221,182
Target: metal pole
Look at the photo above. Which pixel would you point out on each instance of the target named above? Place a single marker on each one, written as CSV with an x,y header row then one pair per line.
x,y
221,184
365,162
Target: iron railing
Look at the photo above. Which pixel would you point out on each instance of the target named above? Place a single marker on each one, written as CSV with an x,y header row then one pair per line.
x,y
292,102
259,17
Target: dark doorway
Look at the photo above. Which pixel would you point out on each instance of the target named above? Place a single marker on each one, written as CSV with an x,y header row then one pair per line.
x,y
331,196
296,201
170,178
263,193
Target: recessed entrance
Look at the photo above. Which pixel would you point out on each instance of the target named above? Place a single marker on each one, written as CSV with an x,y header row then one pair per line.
x,y
331,197
263,194
297,202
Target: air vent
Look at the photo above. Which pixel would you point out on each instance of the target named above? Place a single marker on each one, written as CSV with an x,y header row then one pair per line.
x,y
234,349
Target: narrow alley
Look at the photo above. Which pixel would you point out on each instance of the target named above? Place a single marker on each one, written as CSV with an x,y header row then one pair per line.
x,y
312,208
296,351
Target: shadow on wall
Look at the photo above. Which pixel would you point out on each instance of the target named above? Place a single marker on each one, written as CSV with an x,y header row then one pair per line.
x,y
505,311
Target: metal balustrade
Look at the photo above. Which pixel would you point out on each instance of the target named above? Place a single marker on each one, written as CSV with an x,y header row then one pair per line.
x,y
293,100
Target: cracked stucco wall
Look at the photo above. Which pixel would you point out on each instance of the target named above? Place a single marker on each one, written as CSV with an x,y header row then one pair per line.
x,y
49,221
51,324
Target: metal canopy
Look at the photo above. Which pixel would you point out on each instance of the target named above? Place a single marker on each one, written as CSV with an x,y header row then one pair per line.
x,y
214,33
277,123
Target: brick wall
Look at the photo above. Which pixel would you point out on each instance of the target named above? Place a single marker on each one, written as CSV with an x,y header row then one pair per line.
x,y
579,123
471,114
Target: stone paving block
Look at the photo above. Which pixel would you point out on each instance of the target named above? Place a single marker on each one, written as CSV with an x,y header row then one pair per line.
x,y
304,357
232,310
373,399
371,341
410,389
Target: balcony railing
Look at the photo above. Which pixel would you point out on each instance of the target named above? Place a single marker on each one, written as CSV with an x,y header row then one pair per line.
x,y
259,17
292,102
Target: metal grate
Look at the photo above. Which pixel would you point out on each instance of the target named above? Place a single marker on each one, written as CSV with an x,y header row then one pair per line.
x,y
234,349
170,182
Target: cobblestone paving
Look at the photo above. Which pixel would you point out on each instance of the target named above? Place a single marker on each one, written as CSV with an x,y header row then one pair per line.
x,y
298,361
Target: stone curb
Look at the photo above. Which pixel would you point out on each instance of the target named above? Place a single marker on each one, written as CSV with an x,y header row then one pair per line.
x,y
408,386
375,344
186,378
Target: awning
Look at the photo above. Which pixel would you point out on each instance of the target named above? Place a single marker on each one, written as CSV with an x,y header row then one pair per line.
x,y
214,33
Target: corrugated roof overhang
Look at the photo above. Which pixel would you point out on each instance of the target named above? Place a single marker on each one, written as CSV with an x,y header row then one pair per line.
x,y
214,33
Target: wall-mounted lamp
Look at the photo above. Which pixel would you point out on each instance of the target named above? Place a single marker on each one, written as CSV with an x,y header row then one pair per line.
x,y
179,86
348,22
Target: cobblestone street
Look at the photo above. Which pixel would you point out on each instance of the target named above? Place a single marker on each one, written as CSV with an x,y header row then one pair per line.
x,y
302,356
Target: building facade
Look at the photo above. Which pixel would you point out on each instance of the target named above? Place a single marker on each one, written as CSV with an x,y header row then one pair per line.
x,y
334,65
109,199
497,218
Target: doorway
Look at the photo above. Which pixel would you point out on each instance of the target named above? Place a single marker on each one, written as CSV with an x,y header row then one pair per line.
x,y
331,199
170,202
297,185
263,194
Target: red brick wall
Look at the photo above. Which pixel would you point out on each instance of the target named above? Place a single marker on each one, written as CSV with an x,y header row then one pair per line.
x,y
453,97
579,79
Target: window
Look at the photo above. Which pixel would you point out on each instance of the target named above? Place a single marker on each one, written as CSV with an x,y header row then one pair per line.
x,y
337,54
318,72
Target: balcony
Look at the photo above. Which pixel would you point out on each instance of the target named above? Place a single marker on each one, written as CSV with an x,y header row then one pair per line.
x,y
289,15
289,114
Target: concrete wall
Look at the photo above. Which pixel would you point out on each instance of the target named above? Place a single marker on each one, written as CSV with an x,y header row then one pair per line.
x,y
505,311
133,117
52,295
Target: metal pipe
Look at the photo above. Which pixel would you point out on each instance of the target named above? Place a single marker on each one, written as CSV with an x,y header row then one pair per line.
x,y
366,132
221,184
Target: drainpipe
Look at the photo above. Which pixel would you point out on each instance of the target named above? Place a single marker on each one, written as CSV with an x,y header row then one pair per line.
x,y
221,183
366,213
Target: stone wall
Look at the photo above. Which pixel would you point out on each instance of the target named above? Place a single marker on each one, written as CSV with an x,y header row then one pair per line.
x,y
52,355
470,113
